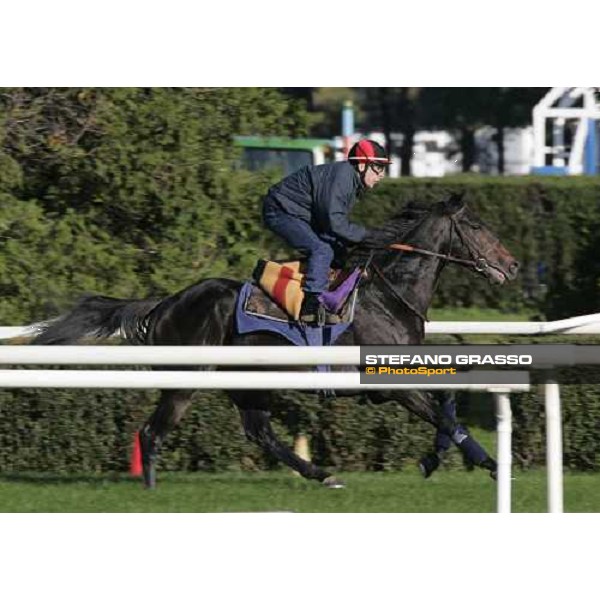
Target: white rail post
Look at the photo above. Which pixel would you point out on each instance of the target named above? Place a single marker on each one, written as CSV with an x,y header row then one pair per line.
x,y
504,437
554,458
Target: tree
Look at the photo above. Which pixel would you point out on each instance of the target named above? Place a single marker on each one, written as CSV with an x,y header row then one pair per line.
x,y
394,110
464,110
138,179
510,107
326,106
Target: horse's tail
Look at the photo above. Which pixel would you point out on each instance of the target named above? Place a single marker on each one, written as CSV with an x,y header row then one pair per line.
x,y
98,317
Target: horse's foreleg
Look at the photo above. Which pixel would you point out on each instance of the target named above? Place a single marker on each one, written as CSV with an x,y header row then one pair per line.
x,y
257,427
442,415
460,435
168,413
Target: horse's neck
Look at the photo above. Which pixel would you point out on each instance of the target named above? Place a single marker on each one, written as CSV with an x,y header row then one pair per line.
x,y
391,313
413,276
383,319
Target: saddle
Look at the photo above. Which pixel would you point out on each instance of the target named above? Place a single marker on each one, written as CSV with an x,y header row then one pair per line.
x,y
277,291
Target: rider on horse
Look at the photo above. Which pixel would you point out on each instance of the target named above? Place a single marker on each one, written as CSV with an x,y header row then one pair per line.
x,y
310,210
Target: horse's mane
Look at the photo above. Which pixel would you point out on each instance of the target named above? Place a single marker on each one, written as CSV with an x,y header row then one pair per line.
x,y
400,224
394,230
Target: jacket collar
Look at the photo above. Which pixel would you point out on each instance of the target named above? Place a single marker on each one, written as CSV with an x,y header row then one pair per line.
x,y
357,180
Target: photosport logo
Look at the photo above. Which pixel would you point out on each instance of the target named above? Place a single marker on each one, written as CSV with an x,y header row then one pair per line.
x,y
427,371
495,364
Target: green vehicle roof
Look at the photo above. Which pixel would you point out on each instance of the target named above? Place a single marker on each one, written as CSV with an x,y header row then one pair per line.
x,y
280,142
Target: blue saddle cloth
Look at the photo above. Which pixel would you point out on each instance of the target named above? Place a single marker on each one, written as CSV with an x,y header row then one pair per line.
x,y
296,333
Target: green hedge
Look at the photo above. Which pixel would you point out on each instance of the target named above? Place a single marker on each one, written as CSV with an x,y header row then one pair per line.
x,y
127,191
92,431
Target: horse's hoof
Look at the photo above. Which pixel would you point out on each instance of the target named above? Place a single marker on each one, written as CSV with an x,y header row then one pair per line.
x,y
333,483
149,475
429,464
149,451
150,484
491,465
150,478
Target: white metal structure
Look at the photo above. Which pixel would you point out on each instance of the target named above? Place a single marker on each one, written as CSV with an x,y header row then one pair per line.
x,y
584,325
564,107
503,452
554,446
220,380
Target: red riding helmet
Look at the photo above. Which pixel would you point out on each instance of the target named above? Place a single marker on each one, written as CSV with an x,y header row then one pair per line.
x,y
368,151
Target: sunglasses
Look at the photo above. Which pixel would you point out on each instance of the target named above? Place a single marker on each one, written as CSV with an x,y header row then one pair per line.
x,y
379,169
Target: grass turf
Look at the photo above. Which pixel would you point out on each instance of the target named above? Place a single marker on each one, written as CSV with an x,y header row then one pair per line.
x,y
446,491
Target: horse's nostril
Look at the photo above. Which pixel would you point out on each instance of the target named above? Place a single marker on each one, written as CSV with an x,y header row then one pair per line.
x,y
514,267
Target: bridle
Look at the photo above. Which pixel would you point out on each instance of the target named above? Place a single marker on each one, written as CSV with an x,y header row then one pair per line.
x,y
477,262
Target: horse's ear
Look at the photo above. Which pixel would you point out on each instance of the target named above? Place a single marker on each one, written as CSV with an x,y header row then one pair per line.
x,y
455,202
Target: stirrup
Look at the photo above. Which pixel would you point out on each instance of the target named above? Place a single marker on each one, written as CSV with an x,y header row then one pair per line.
x,y
332,318
309,319
320,317
315,317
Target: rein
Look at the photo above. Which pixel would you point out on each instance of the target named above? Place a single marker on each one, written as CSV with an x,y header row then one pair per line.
x,y
479,264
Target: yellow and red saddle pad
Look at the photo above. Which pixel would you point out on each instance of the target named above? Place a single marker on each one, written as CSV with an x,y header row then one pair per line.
x,y
282,282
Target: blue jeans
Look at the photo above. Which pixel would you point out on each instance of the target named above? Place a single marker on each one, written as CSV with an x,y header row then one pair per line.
x,y
300,235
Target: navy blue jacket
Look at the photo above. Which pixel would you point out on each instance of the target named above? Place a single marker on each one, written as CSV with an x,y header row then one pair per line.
x,y
323,196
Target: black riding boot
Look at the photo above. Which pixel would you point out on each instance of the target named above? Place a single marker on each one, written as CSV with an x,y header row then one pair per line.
x,y
313,312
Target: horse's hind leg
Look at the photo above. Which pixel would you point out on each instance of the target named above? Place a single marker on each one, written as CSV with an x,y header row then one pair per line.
x,y
461,436
257,427
168,413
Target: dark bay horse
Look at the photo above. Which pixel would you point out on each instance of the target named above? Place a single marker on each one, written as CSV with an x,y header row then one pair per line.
x,y
391,307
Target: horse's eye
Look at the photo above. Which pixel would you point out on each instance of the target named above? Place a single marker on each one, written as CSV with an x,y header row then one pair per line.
x,y
475,226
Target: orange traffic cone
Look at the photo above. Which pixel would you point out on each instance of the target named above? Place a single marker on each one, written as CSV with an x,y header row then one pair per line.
x,y
135,462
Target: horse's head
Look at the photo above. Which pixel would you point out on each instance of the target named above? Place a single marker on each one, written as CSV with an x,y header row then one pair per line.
x,y
471,240
448,230
408,252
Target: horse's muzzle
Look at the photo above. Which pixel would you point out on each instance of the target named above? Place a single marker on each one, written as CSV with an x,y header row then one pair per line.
x,y
513,269
498,275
